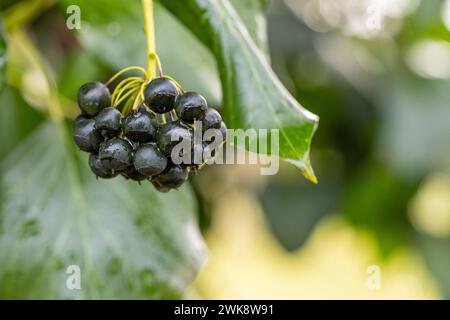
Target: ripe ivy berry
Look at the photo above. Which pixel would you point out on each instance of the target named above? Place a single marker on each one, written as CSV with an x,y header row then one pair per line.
x,y
160,188
212,119
191,107
116,154
80,119
86,137
160,95
133,174
98,169
136,145
149,160
169,135
140,126
172,177
93,97
108,122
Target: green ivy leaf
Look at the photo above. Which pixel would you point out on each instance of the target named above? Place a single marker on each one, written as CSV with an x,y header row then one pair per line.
x,y
17,120
252,13
253,97
128,240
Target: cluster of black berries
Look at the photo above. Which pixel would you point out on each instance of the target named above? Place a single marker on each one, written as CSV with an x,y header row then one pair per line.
x,y
138,145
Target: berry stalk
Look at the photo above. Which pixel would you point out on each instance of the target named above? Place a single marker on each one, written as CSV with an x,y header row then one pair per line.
x,y
148,8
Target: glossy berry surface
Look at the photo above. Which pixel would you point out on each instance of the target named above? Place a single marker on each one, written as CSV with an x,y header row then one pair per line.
x,y
155,143
139,126
116,154
172,177
160,95
134,144
212,119
132,174
171,134
80,119
149,160
160,188
191,107
93,97
108,122
98,169
86,137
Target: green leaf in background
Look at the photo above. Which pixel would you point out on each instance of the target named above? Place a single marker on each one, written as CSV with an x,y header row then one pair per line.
x,y
3,54
17,120
377,199
253,97
409,104
292,208
128,240
252,13
78,68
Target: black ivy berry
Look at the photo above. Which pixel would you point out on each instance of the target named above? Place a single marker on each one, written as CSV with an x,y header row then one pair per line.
x,y
133,174
171,178
98,169
191,107
149,160
171,134
160,95
93,97
139,145
133,144
108,122
214,134
160,188
86,137
80,119
212,119
140,126
116,154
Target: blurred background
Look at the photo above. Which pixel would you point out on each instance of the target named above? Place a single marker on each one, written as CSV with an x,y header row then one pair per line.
x,y
375,71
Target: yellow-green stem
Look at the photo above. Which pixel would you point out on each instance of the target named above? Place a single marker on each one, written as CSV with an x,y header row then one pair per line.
x,y
124,86
148,8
